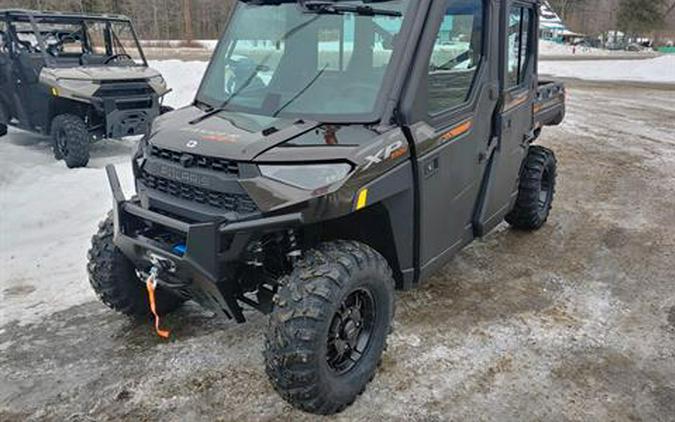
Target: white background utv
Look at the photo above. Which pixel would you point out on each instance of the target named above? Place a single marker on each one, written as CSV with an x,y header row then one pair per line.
x,y
78,78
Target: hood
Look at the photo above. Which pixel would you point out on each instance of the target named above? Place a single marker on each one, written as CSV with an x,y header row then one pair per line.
x,y
106,73
229,135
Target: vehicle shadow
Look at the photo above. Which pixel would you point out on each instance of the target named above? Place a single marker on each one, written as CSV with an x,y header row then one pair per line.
x,y
101,152
28,139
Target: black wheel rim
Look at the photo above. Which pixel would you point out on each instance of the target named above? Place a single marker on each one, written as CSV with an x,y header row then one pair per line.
x,y
62,142
351,331
545,193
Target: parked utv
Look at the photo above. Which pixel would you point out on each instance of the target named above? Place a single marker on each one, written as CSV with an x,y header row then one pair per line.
x,y
78,78
335,151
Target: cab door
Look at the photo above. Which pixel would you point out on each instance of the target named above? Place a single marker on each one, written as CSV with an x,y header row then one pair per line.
x,y
450,124
514,121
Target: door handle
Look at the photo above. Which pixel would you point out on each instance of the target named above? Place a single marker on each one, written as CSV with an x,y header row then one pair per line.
x,y
431,167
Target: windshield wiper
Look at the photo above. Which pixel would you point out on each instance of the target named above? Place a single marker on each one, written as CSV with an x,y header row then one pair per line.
x,y
329,7
301,92
332,7
223,106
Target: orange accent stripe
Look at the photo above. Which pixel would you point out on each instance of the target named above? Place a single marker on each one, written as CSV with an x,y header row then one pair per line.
x,y
458,130
153,307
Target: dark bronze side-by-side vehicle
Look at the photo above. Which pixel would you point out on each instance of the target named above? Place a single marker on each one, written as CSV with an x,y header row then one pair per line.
x,y
335,151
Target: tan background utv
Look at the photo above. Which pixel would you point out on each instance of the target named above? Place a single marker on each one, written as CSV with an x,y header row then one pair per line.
x,y
78,78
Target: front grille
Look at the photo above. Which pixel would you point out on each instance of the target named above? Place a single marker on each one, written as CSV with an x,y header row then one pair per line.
x,y
231,202
209,163
134,105
117,89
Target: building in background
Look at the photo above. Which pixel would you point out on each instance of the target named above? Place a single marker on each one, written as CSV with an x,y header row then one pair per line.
x,y
552,27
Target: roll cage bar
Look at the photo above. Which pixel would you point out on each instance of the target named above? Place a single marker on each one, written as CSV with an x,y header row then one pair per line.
x,y
34,17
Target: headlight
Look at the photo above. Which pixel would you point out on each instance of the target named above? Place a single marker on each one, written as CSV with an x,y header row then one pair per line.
x,y
158,80
77,85
309,177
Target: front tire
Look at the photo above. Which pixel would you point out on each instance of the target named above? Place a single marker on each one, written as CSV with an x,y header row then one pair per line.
x,y
71,140
114,279
329,327
536,190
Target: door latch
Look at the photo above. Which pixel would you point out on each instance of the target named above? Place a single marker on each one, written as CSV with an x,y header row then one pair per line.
x,y
431,167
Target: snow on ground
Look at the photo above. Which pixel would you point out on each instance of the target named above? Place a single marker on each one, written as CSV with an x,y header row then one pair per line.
x,y
182,77
660,69
546,48
48,213
550,48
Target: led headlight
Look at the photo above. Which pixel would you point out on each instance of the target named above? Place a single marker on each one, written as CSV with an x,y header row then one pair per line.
x,y
84,87
159,80
309,177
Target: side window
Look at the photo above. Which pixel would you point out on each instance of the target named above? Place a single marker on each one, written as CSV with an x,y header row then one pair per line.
x,y
519,45
456,56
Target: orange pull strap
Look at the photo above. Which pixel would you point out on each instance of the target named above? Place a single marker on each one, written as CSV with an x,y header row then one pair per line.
x,y
151,284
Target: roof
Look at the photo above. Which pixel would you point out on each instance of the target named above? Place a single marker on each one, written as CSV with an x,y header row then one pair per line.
x,y
25,13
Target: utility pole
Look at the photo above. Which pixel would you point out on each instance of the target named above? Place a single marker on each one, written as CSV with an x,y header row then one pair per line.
x,y
187,15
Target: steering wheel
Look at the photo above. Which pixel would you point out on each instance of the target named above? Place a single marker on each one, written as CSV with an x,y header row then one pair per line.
x,y
117,57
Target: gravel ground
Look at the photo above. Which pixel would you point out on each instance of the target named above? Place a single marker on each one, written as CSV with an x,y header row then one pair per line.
x,y
574,322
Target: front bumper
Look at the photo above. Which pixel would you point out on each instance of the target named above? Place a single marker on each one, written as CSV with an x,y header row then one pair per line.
x,y
130,116
194,260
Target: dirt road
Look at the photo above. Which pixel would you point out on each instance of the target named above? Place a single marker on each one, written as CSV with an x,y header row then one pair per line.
x,y
575,322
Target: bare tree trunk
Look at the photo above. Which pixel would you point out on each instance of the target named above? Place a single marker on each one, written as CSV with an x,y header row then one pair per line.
x,y
155,22
670,10
187,15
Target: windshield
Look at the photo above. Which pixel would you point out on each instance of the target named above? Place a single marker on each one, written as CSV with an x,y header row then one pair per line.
x,y
82,42
288,60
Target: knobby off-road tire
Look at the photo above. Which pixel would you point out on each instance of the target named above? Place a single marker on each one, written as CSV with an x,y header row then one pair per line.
x,y
71,140
536,190
114,278
3,130
340,294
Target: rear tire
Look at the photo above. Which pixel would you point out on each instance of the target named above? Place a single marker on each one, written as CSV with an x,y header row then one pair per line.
x,y
113,278
329,327
71,140
536,191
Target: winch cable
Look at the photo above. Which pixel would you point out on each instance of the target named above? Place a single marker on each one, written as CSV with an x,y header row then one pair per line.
x,y
151,285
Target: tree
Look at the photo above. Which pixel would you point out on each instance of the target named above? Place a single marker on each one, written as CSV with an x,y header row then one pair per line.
x,y
670,10
641,16
187,15
566,7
